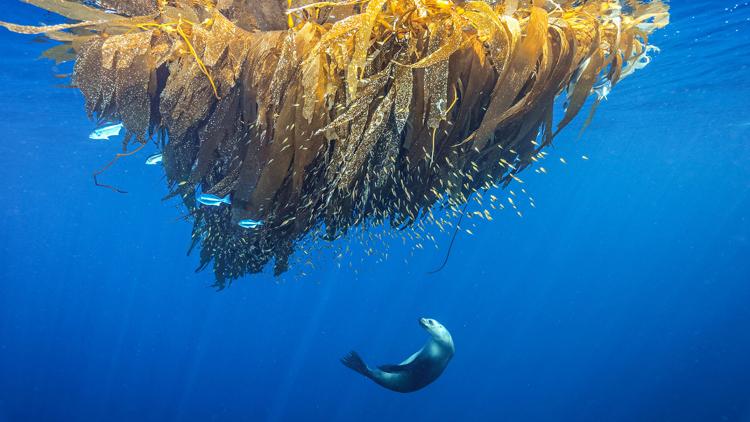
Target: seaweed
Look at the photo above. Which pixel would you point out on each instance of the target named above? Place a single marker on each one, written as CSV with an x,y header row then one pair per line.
x,y
317,117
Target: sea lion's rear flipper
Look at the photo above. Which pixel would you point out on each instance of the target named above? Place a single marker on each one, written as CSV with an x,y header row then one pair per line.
x,y
355,362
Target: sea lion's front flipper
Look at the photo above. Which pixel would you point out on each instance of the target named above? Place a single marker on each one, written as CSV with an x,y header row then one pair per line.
x,y
412,363
411,358
392,368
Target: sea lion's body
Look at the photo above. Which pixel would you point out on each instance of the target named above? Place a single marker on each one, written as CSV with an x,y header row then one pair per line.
x,y
419,370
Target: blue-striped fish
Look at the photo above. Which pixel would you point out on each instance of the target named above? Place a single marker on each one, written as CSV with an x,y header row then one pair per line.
x,y
154,159
104,133
213,200
249,223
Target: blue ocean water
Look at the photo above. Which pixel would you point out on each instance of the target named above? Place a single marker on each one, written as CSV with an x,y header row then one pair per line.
x,y
624,295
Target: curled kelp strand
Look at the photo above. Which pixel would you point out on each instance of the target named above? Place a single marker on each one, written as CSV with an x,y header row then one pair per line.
x,y
117,156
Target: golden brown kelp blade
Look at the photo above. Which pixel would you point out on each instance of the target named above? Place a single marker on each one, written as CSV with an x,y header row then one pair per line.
x,y
334,114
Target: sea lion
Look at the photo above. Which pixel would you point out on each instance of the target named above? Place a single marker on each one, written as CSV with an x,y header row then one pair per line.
x,y
417,371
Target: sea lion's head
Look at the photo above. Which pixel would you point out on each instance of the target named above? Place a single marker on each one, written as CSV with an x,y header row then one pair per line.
x,y
437,331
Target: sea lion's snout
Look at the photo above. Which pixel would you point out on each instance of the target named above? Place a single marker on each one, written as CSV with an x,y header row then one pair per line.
x,y
425,322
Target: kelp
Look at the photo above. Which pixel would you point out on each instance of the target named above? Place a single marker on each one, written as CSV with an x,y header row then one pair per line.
x,y
320,116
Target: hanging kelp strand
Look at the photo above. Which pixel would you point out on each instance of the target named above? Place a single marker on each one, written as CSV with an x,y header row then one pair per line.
x,y
314,117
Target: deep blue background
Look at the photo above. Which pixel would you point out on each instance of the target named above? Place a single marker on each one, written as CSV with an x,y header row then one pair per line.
x,y
623,296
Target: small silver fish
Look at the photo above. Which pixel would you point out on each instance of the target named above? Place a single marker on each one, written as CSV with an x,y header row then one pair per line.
x,y
213,200
104,133
154,159
249,223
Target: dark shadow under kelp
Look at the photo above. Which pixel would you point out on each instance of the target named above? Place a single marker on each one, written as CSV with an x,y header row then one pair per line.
x,y
317,117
